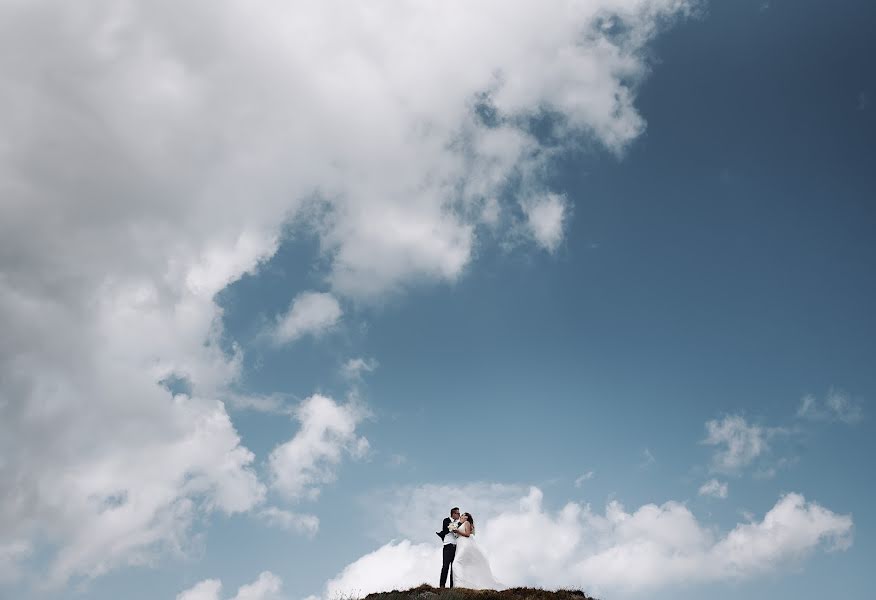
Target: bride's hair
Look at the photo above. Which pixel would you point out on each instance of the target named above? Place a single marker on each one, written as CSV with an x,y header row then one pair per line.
x,y
470,520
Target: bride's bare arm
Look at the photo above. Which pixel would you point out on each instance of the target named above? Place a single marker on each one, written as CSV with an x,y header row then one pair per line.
x,y
465,530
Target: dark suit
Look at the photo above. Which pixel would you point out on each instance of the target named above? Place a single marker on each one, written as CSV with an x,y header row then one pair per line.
x,y
449,554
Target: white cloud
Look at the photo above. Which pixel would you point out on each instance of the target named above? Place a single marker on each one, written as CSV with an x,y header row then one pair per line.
x,y
584,477
545,217
310,313
11,554
647,459
738,442
658,546
266,587
397,565
205,590
714,488
844,408
808,407
301,465
354,367
615,552
491,211
290,521
136,497
160,162
837,406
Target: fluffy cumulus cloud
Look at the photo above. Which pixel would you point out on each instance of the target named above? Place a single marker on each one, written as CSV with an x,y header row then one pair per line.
x,y
398,565
208,589
266,587
153,153
328,432
310,313
615,551
545,217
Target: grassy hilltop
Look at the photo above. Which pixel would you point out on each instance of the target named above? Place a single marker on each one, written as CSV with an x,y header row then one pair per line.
x,y
427,592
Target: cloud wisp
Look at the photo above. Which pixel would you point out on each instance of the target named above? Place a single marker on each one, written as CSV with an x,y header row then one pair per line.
x,y
714,488
737,442
584,477
354,368
837,407
740,446
290,521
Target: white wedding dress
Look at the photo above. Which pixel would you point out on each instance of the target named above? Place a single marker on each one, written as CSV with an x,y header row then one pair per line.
x,y
471,569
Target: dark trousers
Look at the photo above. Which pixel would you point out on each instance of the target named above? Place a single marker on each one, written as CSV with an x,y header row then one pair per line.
x,y
449,555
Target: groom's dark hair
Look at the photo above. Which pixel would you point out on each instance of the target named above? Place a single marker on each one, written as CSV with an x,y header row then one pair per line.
x,y
454,509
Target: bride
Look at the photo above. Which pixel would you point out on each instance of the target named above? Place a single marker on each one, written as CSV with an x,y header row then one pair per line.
x,y
471,569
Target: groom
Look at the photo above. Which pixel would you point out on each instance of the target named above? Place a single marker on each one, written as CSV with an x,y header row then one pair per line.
x,y
449,539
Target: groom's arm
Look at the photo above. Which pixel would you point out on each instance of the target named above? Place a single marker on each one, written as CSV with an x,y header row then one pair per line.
x,y
445,528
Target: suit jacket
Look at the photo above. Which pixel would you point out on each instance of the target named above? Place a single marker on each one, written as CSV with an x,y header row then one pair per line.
x,y
445,528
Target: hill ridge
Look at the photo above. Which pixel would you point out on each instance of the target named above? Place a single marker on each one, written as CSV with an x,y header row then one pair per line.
x,y
427,592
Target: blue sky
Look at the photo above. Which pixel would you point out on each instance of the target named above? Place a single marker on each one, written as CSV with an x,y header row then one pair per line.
x,y
639,350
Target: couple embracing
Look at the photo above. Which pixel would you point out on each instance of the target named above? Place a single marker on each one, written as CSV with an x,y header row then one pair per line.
x,y
465,562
